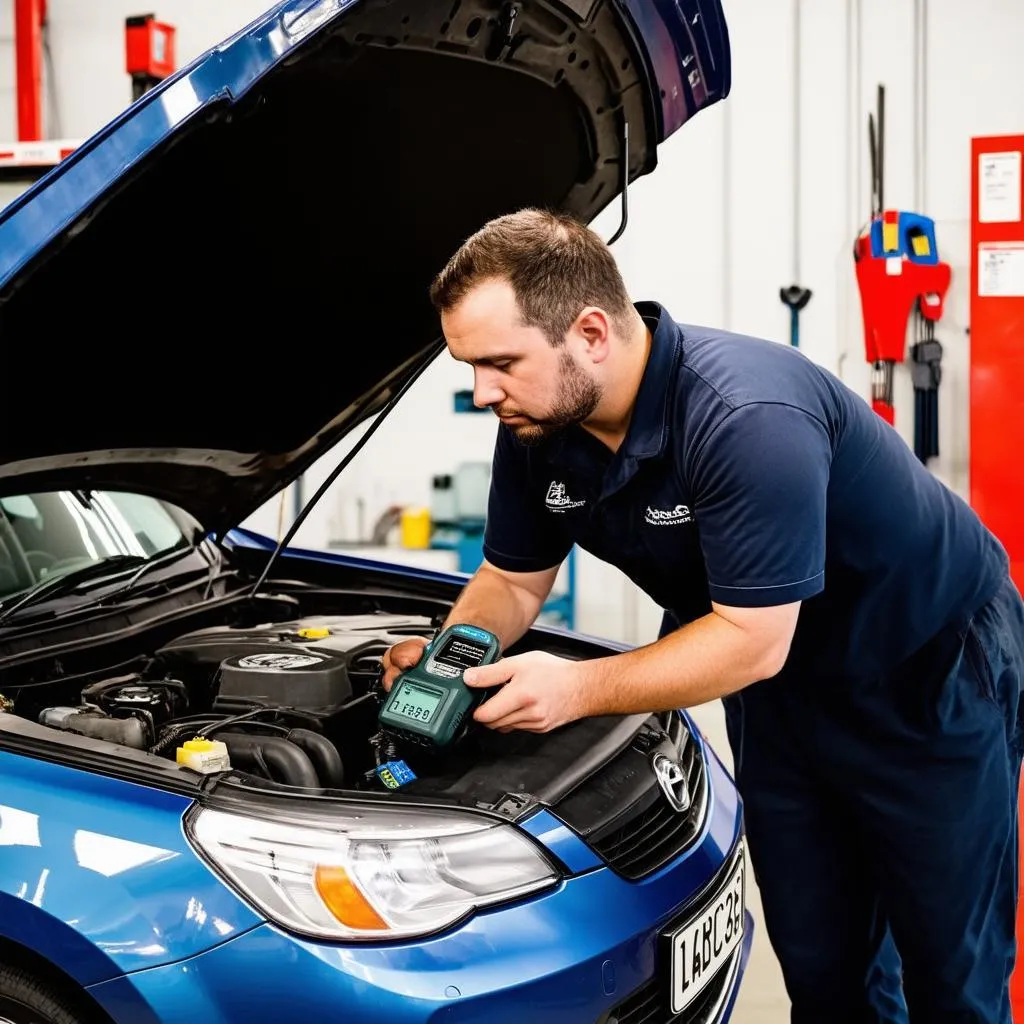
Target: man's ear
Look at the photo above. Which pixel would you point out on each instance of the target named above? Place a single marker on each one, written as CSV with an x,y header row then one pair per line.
x,y
592,329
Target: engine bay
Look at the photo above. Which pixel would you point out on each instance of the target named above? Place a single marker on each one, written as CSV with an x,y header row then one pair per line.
x,y
294,702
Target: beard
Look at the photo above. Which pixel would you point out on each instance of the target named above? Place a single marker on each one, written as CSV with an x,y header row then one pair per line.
x,y
577,397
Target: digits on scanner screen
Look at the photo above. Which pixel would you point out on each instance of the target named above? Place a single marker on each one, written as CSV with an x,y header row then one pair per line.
x,y
416,702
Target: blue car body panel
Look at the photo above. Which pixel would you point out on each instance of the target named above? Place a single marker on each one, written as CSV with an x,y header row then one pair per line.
x,y
570,954
314,983
96,874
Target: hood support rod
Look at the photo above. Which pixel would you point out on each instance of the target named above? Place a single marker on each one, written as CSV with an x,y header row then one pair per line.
x,y
625,184
428,358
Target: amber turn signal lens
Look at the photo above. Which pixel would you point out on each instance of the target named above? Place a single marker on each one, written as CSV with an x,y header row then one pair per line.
x,y
345,901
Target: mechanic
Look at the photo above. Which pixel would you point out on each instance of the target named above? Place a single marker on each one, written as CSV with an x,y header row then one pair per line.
x,y
852,612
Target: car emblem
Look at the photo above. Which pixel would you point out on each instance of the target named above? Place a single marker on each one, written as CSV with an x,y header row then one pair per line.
x,y
674,781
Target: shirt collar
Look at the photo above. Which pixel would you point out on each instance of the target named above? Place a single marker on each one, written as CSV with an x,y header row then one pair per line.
x,y
647,434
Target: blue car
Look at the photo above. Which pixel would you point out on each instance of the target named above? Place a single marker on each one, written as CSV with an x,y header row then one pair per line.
x,y
197,821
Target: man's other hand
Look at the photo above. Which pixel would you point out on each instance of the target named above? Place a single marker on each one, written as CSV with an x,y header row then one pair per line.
x,y
400,658
539,692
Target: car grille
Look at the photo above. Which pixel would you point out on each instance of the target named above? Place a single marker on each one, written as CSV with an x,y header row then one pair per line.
x,y
655,832
649,1003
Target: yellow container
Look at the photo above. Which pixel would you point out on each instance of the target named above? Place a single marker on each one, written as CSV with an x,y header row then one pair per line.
x,y
203,755
415,527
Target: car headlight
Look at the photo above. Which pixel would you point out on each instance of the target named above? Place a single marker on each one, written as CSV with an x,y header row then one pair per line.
x,y
373,874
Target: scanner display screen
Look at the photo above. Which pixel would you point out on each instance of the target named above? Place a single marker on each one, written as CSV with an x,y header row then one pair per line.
x,y
416,702
461,654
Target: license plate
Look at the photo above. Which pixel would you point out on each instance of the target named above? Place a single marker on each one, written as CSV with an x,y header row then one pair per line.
x,y
707,940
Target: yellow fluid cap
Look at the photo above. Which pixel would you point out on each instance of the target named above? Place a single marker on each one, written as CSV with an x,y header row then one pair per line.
x,y
199,745
314,632
203,755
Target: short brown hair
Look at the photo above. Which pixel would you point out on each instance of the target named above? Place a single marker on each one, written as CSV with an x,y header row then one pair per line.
x,y
555,264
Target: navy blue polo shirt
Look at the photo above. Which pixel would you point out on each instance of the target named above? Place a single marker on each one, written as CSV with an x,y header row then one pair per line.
x,y
750,476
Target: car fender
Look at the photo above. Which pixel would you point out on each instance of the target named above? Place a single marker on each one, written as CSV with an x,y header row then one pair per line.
x,y
96,874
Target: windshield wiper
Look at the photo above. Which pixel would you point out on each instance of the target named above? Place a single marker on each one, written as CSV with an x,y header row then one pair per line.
x,y
171,556
66,582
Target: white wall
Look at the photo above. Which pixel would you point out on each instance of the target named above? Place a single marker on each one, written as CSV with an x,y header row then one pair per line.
x,y
716,231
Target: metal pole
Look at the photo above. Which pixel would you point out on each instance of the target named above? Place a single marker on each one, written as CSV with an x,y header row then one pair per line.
x,y
796,140
28,44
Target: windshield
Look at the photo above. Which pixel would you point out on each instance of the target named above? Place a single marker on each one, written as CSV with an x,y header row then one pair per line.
x,y
53,533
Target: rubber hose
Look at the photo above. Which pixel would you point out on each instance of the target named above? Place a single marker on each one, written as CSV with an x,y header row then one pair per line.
x,y
178,731
284,760
324,755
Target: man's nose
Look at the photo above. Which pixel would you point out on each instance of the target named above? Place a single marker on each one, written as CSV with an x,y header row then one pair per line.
x,y
486,391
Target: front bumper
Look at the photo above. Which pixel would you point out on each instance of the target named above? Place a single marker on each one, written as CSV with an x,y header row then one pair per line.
x,y
580,953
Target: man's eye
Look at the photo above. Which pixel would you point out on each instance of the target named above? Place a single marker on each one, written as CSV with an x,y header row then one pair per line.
x,y
503,365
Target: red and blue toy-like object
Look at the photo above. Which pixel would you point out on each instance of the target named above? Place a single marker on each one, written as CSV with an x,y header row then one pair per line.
x,y
898,269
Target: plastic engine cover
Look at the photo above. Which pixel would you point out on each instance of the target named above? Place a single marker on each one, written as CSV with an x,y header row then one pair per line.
x,y
307,680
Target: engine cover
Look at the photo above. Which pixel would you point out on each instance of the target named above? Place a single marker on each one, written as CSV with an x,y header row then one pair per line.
x,y
308,680
306,664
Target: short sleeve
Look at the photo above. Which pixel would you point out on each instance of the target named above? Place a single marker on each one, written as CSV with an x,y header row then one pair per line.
x,y
760,483
520,535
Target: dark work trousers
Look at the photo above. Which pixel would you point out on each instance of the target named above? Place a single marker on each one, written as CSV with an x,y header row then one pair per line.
x,y
882,828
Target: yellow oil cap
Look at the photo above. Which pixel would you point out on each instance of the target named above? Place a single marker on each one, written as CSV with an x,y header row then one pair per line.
x,y
314,632
203,755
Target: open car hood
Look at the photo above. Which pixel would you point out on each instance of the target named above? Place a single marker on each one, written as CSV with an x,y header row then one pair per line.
x,y
205,296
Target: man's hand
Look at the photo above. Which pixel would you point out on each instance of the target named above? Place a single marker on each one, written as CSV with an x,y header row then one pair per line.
x,y
401,657
539,692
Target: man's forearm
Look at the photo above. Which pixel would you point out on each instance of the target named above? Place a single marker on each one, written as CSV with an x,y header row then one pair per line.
x,y
493,601
706,659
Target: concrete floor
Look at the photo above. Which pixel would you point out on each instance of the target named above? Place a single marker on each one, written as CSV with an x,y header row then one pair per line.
x,y
762,998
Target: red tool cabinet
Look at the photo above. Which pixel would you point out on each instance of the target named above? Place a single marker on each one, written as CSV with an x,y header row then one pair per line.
x,y
997,376
997,341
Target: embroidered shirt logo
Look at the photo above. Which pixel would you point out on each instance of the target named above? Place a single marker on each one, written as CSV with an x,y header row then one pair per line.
x,y
558,501
668,516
